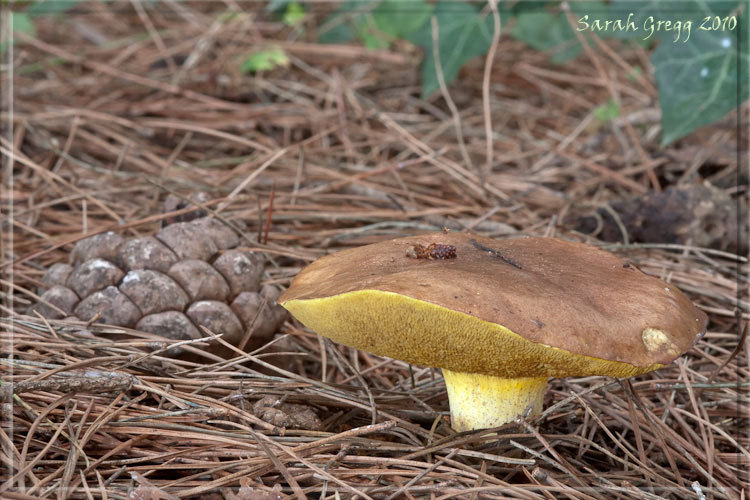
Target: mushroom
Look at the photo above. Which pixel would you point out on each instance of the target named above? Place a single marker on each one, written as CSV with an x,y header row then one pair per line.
x,y
498,317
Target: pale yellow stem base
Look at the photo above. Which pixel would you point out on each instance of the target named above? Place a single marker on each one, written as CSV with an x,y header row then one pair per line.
x,y
482,401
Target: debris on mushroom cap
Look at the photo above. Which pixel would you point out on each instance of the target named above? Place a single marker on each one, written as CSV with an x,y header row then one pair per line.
x,y
512,308
432,251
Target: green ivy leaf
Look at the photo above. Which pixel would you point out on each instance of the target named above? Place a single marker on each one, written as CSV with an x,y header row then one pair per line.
x,y
698,80
549,33
463,35
370,35
22,22
645,14
532,6
697,76
343,25
548,29
264,60
399,18
51,7
339,32
377,24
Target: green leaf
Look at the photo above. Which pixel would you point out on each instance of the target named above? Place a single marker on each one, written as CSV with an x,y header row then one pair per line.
x,y
547,32
277,5
377,24
22,22
340,32
698,80
51,7
463,35
343,25
369,34
645,15
531,6
399,18
695,70
264,60
294,14
548,29
607,112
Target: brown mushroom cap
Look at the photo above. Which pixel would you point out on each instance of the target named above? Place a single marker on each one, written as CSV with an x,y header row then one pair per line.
x,y
512,308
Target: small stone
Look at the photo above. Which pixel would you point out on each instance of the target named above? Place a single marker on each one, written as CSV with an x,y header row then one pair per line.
x,y
114,306
94,275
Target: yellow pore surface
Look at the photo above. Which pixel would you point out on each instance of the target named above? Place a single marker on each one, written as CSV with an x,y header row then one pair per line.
x,y
482,401
390,324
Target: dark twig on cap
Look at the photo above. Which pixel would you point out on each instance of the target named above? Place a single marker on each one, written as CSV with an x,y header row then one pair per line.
x,y
494,252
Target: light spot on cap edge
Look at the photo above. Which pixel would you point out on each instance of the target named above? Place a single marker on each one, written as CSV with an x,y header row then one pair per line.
x,y
655,340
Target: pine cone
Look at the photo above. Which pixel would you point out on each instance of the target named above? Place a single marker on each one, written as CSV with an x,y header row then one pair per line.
x,y
188,275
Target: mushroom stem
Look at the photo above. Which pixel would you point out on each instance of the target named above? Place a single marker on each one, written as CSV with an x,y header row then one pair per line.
x,y
483,401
